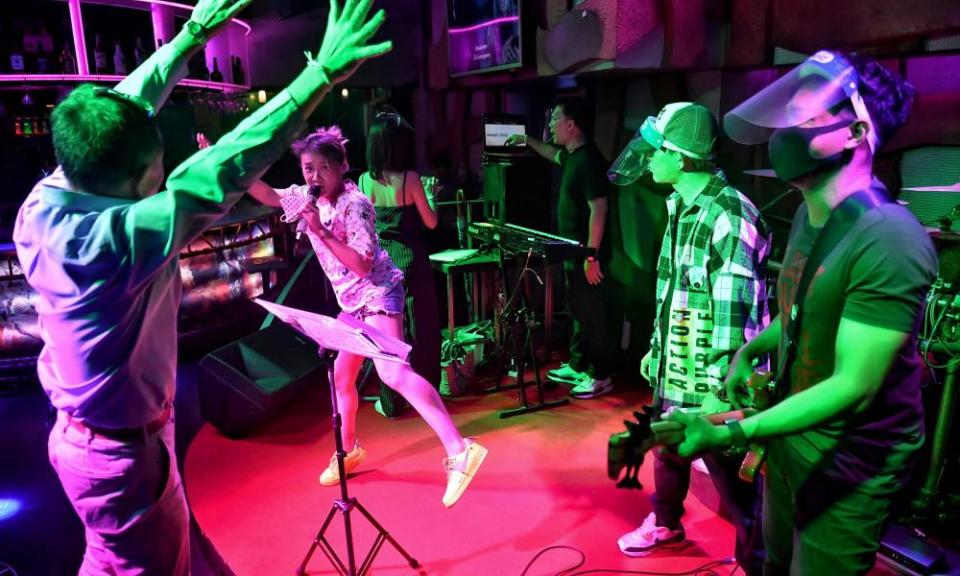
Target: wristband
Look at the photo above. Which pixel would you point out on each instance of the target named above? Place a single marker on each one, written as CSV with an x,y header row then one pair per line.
x,y
314,63
737,436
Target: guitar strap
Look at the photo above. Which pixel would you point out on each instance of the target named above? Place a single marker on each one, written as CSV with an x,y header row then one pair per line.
x,y
840,222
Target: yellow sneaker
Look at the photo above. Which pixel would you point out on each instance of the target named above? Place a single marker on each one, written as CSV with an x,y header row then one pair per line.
x,y
353,459
460,471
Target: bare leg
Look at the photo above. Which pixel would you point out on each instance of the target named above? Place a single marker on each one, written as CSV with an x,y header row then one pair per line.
x,y
345,370
417,391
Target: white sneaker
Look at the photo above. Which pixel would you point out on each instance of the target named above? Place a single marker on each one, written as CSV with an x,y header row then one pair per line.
x,y
461,469
648,537
565,374
590,387
354,458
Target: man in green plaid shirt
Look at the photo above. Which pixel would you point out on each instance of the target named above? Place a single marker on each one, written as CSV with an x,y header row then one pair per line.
x,y
711,299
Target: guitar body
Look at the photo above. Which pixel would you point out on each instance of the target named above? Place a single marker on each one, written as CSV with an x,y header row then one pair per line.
x,y
760,385
668,433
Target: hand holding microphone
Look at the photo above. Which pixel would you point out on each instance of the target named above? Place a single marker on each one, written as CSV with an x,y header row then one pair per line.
x,y
311,217
302,209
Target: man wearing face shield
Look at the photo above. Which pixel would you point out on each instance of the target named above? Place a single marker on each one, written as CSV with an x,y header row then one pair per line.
x,y
844,438
711,299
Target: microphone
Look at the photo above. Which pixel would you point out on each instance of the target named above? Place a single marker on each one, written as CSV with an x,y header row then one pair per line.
x,y
314,192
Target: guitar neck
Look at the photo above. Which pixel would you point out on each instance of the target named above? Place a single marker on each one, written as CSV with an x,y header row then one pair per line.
x,y
721,417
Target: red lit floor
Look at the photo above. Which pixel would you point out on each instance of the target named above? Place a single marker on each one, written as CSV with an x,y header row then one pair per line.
x,y
543,484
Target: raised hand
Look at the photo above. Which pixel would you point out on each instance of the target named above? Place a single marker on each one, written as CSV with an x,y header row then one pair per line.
x,y
344,45
213,15
202,141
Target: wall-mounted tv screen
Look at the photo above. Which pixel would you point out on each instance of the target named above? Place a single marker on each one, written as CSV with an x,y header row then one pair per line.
x,y
484,35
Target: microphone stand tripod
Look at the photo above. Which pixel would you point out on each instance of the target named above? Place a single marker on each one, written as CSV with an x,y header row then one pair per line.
x,y
346,334
345,504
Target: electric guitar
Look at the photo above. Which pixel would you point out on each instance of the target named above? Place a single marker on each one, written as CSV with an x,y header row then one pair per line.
x,y
669,433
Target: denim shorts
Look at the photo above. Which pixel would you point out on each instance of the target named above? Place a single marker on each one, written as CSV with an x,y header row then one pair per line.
x,y
389,304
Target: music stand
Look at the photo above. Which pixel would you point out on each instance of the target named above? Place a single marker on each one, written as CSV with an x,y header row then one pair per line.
x,y
333,335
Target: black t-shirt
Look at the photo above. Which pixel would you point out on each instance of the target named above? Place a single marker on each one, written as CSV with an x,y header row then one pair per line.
x,y
584,178
878,274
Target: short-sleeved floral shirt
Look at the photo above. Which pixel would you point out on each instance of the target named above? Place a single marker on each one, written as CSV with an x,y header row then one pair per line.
x,y
351,218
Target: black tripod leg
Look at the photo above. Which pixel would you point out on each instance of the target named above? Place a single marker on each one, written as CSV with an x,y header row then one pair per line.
x,y
535,364
381,536
519,361
541,404
321,542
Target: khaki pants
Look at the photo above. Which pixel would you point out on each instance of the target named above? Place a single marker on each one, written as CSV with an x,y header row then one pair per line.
x,y
129,497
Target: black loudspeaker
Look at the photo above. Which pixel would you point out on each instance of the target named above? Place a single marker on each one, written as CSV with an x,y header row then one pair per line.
x,y
516,190
244,382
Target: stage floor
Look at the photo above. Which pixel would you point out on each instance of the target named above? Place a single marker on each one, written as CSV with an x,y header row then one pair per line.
x,y
543,484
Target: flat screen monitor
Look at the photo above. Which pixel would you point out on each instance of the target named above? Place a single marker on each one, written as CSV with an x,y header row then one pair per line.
x,y
496,129
484,35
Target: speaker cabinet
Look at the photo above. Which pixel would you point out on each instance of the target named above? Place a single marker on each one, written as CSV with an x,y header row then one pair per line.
x,y
516,190
243,383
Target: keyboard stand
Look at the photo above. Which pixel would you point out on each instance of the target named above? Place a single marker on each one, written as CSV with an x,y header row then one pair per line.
x,y
517,326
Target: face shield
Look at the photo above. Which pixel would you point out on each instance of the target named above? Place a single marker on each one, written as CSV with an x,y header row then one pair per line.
x,y
818,84
634,161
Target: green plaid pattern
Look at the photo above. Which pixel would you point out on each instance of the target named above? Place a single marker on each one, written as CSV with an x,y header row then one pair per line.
x,y
717,266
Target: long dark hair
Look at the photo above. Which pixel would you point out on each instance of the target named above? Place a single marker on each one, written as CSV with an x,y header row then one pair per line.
x,y
390,145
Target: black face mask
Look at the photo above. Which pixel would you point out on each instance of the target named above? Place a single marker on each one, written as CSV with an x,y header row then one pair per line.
x,y
790,151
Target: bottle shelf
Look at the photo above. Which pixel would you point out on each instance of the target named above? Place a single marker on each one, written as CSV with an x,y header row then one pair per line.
x,y
21,79
61,42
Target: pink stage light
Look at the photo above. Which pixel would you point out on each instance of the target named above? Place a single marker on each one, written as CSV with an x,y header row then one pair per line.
x,y
486,24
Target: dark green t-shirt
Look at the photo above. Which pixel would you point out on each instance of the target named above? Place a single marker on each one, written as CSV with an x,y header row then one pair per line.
x,y
878,274
584,178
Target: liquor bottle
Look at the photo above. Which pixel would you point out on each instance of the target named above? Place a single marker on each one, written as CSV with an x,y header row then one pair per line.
x,y
238,76
99,56
68,64
16,60
216,75
197,68
28,127
18,126
139,53
119,60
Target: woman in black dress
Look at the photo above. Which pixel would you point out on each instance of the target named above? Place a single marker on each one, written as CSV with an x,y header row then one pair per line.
x,y
405,210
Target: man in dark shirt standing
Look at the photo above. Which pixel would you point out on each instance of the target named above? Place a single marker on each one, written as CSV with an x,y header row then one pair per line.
x,y
581,215
844,439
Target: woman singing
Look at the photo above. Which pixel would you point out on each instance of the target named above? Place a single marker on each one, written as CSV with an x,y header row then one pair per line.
x,y
340,225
